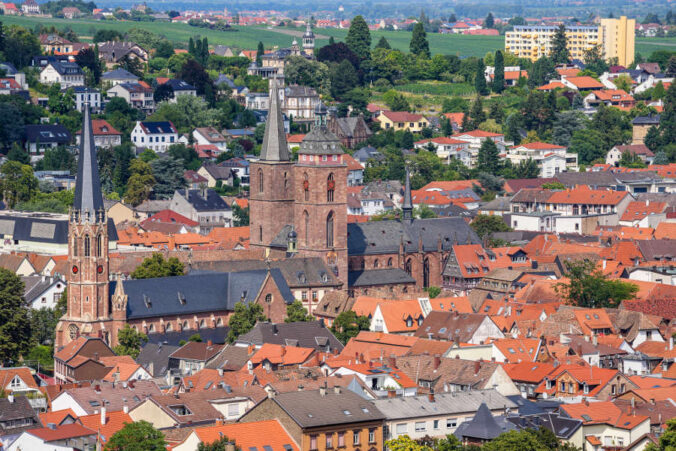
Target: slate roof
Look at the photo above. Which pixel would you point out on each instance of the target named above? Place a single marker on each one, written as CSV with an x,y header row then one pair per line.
x,y
47,134
312,334
150,127
483,426
218,172
201,292
17,410
35,285
444,404
66,68
41,228
156,354
297,271
371,277
384,237
88,196
179,85
213,201
321,141
274,147
532,407
653,119
174,338
563,427
363,154
311,409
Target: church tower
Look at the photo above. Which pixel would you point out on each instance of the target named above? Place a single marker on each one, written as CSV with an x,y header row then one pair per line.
x,y
309,40
271,179
321,197
88,310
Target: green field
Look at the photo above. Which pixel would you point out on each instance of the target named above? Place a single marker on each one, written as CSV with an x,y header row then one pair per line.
x,y
437,88
645,46
248,37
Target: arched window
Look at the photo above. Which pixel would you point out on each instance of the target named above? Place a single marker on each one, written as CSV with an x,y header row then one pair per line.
x,y
376,263
426,273
203,324
168,327
389,262
286,183
330,188
407,266
74,246
186,325
99,245
219,323
268,298
73,331
151,328
306,230
260,180
306,187
260,233
329,230
87,246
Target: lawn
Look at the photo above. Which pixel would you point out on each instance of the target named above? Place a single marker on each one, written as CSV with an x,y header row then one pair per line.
x,y
248,37
437,88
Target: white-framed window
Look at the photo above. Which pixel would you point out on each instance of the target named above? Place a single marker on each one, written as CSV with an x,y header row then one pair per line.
x,y
233,409
420,426
451,423
402,428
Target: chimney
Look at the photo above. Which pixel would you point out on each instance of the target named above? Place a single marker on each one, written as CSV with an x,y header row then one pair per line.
x,y
96,356
97,388
336,389
391,393
437,361
477,367
283,350
103,415
210,343
671,343
220,371
430,396
595,340
322,390
633,402
392,361
10,398
125,408
605,262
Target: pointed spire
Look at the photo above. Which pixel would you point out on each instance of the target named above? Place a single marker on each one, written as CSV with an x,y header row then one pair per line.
x,y
275,147
407,207
88,197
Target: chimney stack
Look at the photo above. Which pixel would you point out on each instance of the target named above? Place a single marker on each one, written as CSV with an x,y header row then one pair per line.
x,y
210,343
430,396
103,414
437,361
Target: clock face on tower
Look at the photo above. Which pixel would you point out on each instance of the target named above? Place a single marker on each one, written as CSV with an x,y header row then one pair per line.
x,y
75,269
99,269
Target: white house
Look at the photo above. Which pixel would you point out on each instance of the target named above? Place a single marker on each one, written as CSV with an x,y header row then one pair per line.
x,y
43,291
64,437
475,139
157,136
66,74
136,95
550,158
87,95
446,148
180,88
210,136
380,379
614,155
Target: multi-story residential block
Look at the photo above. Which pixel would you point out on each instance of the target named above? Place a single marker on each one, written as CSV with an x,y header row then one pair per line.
x,y
550,158
84,95
300,103
447,148
617,36
65,74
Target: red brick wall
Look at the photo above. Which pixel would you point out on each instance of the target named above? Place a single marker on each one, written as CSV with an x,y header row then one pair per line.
x,y
272,208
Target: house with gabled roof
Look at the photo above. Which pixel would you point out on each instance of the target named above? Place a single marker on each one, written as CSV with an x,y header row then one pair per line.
x,y
157,136
80,360
260,435
402,120
66,436
458,327
584,381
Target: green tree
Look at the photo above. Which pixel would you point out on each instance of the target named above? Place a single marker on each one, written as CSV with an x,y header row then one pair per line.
x,y
295,312
17,182
631,160
140,182
560,53
588,145
20,45
419,45
433,291
396,101
488,159
454,105
588,287
524,440
130,341
406,443
89,58
222,444
499,75
240,215
259,53
343,78
489,22
156,266
11,124
18,154
244,318
15,333
348,325
164,49
477,115
594,61
137,436
168,173
667,439
485,225
553,185
358,38
527,169
661,158
383,44
480,78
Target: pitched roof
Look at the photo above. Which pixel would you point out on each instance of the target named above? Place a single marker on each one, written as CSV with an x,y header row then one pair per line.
x,y
61,432
199,351
604,412
310,334
259,435
482,426
479,134
584,195
531,372
442,372
114,421
23,372
170,216
101,127
518,350
281,354
402,116
274,147
458,327
585,82
311,408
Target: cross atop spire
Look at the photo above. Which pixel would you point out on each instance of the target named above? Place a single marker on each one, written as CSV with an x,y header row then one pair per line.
x,y
275,147
407,207
88,197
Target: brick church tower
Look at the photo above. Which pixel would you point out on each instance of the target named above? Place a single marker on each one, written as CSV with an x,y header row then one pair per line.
x,y
88,311
320,209
271,179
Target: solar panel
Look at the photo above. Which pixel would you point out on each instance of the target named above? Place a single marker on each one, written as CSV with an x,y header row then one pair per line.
x,y
7,226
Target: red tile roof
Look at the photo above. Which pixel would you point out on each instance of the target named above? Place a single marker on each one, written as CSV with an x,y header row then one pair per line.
x,y
479,134
442,140
101,127
455,117
531,372
62,432
281,355
171,217
568,72
537,145
551,86
114,422
585,82
583,195
352,164
455,185
255,435
518,350
603,413
402,116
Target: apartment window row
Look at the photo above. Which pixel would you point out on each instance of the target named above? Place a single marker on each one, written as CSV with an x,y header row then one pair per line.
x,y
338,440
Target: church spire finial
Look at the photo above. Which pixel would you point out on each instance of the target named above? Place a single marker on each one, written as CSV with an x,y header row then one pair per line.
x,y
407,207
88,200
275,147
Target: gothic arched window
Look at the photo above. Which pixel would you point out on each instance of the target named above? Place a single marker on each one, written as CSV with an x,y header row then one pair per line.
x,y
74,246
87,246
329,230
286,183
330,188
389,262
426,273
376,263
260,180
407,266
306,230
99,245
260,233
73,331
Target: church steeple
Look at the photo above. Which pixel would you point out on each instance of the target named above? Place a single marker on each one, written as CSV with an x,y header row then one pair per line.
x,y
275,147
407,207
88,203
